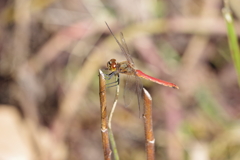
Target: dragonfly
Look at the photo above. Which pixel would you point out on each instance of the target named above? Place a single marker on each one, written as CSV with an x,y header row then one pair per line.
x,y
128,68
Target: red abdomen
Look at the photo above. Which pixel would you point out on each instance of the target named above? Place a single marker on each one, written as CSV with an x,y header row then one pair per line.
x,y
145,76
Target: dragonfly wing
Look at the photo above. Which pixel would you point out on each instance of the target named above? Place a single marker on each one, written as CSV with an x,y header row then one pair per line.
x,y
126,53
133,86
123,47
129,86
139,90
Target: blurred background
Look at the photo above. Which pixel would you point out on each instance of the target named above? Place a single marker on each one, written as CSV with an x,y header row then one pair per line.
x,y
50,53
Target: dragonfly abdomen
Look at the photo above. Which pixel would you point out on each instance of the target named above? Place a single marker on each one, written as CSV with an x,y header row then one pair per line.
x,y
145,76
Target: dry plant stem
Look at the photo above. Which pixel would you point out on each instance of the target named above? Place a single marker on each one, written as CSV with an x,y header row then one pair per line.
x,y
112,141
70,102
114,105
21,41
147,117
104,122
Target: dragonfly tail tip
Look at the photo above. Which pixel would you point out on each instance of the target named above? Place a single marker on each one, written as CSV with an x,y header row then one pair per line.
x,y
175,87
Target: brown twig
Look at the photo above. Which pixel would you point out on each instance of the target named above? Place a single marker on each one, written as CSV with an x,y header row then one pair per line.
x,y
149,137
104,121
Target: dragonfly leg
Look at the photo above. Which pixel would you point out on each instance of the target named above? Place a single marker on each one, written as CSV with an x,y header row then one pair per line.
x,y
115,83
110,75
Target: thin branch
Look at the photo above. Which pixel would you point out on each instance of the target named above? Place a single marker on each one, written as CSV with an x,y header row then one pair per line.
x,y
112,141
149,137
104,128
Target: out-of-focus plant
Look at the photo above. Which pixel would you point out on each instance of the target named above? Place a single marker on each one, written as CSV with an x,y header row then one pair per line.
x,y
232,38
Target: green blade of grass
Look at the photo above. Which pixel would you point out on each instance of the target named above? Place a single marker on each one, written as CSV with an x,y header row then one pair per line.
x,y
232,39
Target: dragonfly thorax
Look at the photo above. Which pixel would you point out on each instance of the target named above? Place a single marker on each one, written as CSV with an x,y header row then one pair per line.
x,y
112,65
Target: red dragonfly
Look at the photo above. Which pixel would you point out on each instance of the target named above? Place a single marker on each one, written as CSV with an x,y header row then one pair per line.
x,y
128,68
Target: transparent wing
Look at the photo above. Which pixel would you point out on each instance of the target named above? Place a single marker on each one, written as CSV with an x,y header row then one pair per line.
x,y
127,53
129,89
132,88
122,46
139,89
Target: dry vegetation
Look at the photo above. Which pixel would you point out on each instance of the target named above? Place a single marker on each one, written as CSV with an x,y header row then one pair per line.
x,y
50,53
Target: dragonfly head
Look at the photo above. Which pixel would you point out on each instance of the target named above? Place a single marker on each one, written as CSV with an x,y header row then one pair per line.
x,y
111,65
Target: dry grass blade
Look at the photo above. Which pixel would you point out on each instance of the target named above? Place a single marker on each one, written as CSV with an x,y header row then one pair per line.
x,y
104,121
149,137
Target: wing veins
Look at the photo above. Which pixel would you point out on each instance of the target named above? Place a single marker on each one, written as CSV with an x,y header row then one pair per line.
x,y
124,50
124,44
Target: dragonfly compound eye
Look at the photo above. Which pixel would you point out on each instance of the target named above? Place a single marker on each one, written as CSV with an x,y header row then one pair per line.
x,y
111,65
